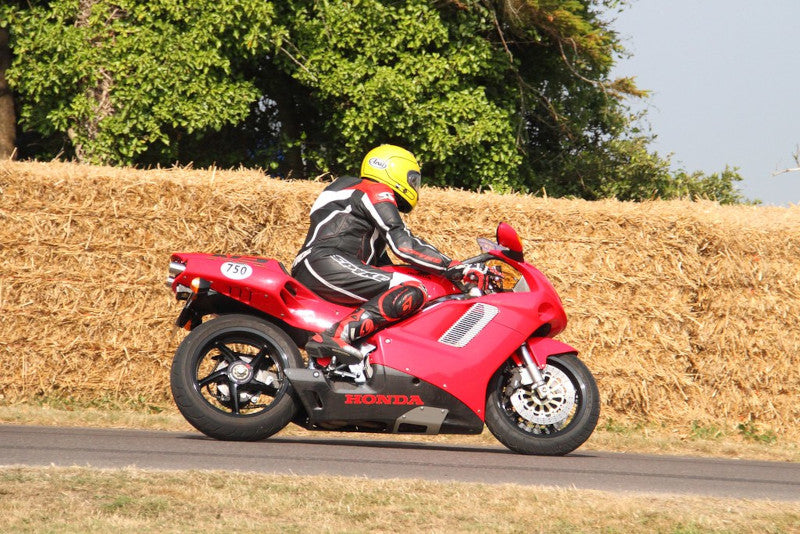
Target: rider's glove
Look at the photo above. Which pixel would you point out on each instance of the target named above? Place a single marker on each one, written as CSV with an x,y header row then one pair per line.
x,y
475,275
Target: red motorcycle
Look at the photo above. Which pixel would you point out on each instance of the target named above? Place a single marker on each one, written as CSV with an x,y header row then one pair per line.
x,y
472,355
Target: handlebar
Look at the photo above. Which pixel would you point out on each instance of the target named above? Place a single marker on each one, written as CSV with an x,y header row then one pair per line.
x,y
480,258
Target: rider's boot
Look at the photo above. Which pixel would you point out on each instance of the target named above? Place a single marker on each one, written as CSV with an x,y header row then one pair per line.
x,y
390,306
335,341
326,346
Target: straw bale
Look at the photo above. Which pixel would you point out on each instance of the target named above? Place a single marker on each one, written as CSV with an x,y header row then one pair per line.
x,y
686,312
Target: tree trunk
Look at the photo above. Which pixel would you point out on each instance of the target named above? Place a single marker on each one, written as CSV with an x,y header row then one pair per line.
x,y
8,120
281,88
87,129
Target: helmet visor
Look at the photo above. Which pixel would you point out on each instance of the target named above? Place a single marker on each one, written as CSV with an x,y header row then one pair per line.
x,y
414,179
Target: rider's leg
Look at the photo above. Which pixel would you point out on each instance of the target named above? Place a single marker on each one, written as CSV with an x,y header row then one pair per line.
x,y
394,304
382,297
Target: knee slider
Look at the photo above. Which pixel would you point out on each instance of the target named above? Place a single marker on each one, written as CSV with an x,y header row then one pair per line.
x,y
403,300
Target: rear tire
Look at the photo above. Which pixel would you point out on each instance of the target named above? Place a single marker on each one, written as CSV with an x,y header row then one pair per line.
x,y
228,378
553,426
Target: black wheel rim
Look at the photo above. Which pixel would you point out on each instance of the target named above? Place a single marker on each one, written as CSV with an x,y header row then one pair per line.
x,y
240,373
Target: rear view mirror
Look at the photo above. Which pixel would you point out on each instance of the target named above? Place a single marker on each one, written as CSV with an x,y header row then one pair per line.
x,y
507,237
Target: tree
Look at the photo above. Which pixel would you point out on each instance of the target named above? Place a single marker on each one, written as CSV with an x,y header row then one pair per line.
x,y
412,74
8,122
574,124
124,77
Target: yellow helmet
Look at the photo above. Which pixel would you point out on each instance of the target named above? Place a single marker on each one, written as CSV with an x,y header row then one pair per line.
x,y
397,168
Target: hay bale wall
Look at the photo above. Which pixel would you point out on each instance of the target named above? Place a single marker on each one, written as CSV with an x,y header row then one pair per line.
x,y
685,312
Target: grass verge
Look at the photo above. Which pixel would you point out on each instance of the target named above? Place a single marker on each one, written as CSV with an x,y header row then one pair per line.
x,y
134,500
131,500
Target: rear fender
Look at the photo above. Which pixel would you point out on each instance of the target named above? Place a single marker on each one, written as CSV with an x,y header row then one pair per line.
x,y
543,347
202,305
198,305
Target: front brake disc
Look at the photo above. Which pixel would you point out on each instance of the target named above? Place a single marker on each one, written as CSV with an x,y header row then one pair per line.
x,y
553,408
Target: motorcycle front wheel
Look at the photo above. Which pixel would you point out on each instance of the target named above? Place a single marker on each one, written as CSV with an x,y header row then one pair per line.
x,y
551,425
228,379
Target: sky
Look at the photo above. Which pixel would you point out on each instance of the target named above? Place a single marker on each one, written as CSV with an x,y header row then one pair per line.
x,y
724,77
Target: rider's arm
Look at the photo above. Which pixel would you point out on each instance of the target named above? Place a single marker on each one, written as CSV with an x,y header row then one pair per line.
x,y
403,243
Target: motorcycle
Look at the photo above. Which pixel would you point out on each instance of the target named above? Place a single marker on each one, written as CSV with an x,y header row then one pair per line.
x,y
473,355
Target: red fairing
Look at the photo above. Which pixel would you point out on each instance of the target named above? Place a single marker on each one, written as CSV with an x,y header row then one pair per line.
x,y
419,345
416,345
544,298
543,347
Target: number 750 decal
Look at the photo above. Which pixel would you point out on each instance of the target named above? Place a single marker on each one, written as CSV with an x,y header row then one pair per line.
x,y
236,271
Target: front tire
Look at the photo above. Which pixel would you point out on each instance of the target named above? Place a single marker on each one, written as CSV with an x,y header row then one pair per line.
x,y
228,378
554,425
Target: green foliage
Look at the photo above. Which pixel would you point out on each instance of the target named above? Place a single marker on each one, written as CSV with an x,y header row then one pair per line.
x,y
750,431
626,170
716,186
120,76
511,95
710,432
406,75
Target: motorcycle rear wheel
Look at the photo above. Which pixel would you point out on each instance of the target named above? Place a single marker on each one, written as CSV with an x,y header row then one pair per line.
x,y
228,379
553,426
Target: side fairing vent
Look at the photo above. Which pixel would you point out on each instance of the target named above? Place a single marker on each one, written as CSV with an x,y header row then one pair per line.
x,y
469,325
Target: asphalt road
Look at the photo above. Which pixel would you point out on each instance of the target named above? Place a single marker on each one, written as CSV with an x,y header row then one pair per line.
x,y
357,455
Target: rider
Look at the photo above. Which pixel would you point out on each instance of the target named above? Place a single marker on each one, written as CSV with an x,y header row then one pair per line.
x,y
352,222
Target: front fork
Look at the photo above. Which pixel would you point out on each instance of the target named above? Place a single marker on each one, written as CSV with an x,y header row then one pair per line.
x,y
530,374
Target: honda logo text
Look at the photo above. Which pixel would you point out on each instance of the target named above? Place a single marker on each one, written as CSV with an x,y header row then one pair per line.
x,y
413,400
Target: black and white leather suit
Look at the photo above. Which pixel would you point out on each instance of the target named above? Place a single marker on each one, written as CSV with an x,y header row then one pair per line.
x,y
353,221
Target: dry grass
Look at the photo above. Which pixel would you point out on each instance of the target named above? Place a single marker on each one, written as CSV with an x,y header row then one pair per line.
x,y
685,312
130,500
